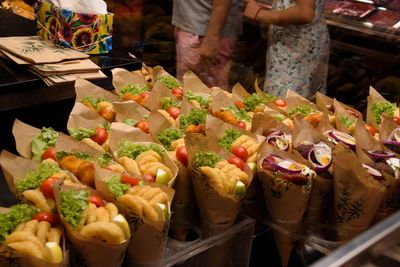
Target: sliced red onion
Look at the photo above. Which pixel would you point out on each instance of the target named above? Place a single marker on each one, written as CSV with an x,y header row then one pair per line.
x,y
375,173
342,137
392,145
271,133
321,157
278,141
283,165
394,135
380,155
394,163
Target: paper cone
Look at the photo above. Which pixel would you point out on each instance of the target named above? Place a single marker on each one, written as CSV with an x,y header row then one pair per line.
x,y
82,116
130,110
193,83
23,136
84,88
357,194
123,77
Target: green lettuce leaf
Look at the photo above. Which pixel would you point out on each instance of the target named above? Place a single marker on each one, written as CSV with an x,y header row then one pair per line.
x,y
45,139
73,206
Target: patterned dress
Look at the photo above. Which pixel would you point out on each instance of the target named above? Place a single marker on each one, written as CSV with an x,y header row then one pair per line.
x,y
297,56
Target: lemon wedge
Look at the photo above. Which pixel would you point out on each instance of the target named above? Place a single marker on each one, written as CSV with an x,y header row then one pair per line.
x,y
162,211
122,223
53,252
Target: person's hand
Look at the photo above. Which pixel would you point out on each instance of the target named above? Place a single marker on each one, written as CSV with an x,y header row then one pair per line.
x,y
252,8
209,50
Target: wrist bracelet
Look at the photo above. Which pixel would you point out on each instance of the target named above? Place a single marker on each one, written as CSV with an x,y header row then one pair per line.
x,y
257,13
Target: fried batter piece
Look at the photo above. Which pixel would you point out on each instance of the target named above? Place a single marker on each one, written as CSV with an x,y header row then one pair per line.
x,y
81,168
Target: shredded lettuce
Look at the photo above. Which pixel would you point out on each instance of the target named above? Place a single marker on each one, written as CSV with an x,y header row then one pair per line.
x,y
116,187
93,101
195,117
134,89
240,114
167,102
348,122
130,122
255,99
105,159
205,159
132,150
18,214
73,206
45,139
169,81
203,100
81,133
34,178
168,136
303,110
382,107
229,138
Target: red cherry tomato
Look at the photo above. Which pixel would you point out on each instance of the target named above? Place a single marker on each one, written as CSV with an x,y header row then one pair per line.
x,y
97,200
370,129
182,155
46,187
241,124
178,92
150,178
47,216
280,102
396,120
173,112
143,97
143,125
238,162
49,153
101,136
240,152
239,104
126,179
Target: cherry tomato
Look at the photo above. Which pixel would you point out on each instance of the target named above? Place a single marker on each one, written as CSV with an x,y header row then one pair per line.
x,y
370,129
150,178
238,162
143,125
241,124
239,104
47,216
178,92
46,187
173,112
97,200
352,112
240,152
182,155
143,97
101,136
126,179
49,153
397,120
280,102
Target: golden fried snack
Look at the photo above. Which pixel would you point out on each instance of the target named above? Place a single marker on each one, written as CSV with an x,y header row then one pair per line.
x,y
239,175
91,214
83,169
20,227
50,161
106,110
196,128
106,231
139,206
148,156
177,143
93,144
41,233
314,118
162,197
130,165
106,145
252,158
37,198
152,167
31,226
102,215
116,168
150,193
24,236
112,209
215,177
227,116
225,166
195,103
27,247
54,235
167,116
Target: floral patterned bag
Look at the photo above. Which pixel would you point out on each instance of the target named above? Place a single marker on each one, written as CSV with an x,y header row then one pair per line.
x,y
89,33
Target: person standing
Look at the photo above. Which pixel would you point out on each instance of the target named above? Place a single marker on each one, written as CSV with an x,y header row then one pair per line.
x,y
205,34
298,45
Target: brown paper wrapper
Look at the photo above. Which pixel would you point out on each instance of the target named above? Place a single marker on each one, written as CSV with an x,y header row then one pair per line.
x,y
158,92
149,238
23,136
193,83
82,116
123,77
157,72
215,207
84,88
221,100
340,110
239,92
68,144
286,202
294,99
89,252
357,194
130,110
324,125
9,257
265,121
374,96
386,128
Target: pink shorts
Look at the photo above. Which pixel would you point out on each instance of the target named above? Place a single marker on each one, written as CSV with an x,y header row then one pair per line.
x,y
188,58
